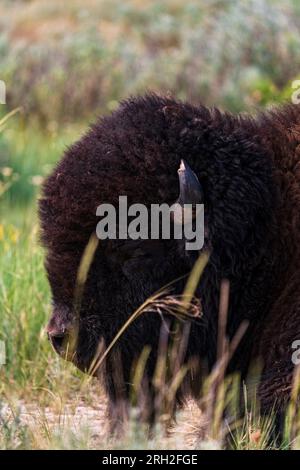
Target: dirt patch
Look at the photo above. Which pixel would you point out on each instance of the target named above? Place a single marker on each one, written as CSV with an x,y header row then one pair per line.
x,y
82,425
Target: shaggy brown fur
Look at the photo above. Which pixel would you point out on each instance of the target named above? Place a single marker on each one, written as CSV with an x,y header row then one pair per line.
x,y
249,170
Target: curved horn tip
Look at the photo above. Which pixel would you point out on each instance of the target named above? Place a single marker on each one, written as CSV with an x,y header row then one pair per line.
x,y
190,188
182,166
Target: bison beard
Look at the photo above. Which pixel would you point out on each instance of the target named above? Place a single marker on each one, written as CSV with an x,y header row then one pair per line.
x,y
249,171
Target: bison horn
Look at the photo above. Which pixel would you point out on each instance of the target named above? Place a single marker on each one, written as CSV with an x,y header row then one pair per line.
x,y
190,193
190,188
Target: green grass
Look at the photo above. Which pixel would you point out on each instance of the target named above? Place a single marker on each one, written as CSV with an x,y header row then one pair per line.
x,y
24,291
33,373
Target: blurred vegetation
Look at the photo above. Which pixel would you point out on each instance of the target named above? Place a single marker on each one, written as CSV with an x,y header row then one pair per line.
x,y
67,61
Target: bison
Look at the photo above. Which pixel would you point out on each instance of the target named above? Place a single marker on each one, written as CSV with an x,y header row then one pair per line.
x,y
248,172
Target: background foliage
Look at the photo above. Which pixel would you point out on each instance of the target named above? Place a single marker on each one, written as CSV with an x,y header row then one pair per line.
x,y
233,54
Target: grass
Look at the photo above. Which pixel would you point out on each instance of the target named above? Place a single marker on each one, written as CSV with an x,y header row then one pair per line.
x,y
30,367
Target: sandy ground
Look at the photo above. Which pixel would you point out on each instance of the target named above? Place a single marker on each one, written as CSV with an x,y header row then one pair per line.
x,y
90,421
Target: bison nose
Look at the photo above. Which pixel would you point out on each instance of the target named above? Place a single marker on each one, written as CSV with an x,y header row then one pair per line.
x,y
58,338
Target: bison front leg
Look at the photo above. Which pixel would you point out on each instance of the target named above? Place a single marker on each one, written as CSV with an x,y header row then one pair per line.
x,y
126,397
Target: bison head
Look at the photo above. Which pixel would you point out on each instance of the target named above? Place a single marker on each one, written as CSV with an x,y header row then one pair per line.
x,y
136,152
